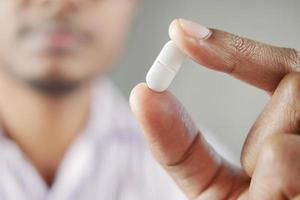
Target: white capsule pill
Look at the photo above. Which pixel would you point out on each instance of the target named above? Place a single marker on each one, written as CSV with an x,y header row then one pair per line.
x,y
165,67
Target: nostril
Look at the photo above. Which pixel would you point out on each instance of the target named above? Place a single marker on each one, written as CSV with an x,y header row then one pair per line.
x,y
60,7
22,3
61,4
39,2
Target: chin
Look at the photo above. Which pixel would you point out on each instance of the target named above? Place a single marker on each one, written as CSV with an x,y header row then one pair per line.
x,y
46,79
58,80
55,86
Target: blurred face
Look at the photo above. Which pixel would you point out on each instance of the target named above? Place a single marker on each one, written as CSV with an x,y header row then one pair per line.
x,y
61,43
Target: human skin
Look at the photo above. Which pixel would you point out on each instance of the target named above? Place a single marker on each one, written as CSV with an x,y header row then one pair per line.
x,y
44,126
270,157
50,51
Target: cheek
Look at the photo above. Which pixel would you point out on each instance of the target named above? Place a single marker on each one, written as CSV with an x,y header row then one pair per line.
x,y
11,54
109,24
8,27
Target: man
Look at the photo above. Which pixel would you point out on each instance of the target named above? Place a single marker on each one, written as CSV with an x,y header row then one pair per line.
x,y
69,135
66,134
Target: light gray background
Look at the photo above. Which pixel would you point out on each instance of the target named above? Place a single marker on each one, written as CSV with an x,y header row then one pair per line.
x,y
226,106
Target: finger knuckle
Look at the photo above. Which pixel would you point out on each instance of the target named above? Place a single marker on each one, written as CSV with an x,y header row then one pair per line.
x,y
279,153
273,151
291,58
294,116
247,157
244,46
243,49
289,96
291,84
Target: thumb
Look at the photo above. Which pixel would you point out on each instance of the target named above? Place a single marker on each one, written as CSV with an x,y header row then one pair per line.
x,y
179,147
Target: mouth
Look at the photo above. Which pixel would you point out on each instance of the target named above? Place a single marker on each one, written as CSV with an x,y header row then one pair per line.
x,y
54,39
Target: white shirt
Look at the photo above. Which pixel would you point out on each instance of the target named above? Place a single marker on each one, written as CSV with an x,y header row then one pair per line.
x,y
110,161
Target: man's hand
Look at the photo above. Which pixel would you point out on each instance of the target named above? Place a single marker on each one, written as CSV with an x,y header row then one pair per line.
x,y
271,153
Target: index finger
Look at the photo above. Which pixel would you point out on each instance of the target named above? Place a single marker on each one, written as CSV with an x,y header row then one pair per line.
x,y
256,63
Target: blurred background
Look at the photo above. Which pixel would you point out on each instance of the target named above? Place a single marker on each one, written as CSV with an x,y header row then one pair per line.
x,y
225,106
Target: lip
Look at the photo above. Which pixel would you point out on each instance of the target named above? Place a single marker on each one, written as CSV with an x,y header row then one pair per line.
x,y
54,40
60,39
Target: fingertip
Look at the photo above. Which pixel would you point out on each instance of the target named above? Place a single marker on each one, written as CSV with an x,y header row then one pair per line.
x,y
176,33
141,94
146,103
173,29
158,110
135,93
187,44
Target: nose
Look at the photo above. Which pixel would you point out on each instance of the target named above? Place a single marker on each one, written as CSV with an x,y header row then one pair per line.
x,y
58,6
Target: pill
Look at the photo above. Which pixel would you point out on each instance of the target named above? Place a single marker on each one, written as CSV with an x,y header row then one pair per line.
x,y
165,67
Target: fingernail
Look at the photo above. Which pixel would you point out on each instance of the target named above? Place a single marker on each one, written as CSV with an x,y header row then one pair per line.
x,y
194,30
